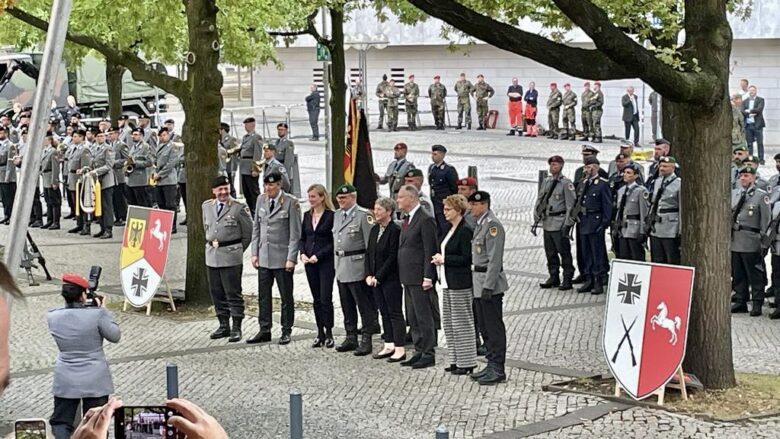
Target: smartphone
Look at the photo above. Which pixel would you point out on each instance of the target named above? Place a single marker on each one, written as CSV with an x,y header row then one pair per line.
x,y
144,422
31,429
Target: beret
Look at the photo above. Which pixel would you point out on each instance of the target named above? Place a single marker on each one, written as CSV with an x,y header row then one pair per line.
x,y
80,132
751,159
437,77
400,145
224,126
269,146
586,83
468,181
143,116
124,117
3,128
747,170
479,196
777,156
169,121
249,120
219,181
622,156
163,130
553,84
439,148
661,142
272,177
634,167
597,83
138,130
414,173
75,279
113,129
411,76
346,189
668,159
282,125
94,130
555,159
567,85
739,148
592,161
626,143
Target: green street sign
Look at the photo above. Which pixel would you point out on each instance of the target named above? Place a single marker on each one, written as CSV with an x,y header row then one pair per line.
x,y
323,54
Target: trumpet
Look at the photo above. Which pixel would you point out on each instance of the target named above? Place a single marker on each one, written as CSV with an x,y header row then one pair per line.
x,y
129,165
232,152
153,181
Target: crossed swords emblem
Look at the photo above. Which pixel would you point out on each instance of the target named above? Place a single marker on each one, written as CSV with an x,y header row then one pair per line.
x,y
626,338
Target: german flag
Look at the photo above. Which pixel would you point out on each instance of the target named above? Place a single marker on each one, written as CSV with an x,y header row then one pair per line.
x,y
358,159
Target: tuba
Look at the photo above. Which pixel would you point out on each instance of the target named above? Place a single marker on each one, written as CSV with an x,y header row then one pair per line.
x,y
88,194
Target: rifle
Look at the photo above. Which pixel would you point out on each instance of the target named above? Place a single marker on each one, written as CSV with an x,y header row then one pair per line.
x,y
574,214
35,253
771,232
652,217
541,208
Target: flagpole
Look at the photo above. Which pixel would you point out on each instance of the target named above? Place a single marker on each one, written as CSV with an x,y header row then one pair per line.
x,y
326,95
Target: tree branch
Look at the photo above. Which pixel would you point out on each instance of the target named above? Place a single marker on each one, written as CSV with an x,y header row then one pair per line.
x,y
310,28
139,68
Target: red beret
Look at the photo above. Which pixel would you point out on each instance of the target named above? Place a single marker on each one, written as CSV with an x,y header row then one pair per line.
x,y
586,83
555,159
597,83
412,75
567,85
468,181
437,77
75,279
553,83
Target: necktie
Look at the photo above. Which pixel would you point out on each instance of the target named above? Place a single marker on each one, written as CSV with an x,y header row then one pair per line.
x,y
219,208
273,204
406,222
345,216
398,166
622,208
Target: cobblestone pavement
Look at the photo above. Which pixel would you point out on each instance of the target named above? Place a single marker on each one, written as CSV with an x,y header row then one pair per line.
x,y
552,335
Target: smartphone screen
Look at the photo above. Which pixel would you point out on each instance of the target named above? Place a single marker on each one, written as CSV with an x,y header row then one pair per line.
x,y
30,429
144,422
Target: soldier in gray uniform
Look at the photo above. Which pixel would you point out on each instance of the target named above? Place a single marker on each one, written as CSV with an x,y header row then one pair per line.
x,y
7,174
121,153
351,229
754,162
124,129
229,143
102,167
272,165
79,159
415,178
750,217
50,175
251,152
167,159
285,150
138,179
739,154
489,280
171,125
772,235
466,187
774,182
663,222
632,210
276,235
394,176
150,137
553,207
228,231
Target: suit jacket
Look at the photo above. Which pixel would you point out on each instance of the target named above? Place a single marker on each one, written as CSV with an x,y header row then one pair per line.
x,y
758,111
317,242
628,108
457,258
416,247
382,254
81,370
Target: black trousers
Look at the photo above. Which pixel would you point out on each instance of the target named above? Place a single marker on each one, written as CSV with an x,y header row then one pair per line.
x,y
314,117
166,199
665,250
557,248
595,254
491,317
580,251
748,276
232,179
755,135
356,298
632,249
53,198
476,323
225,289
389,297
82,220
120,202
37,208
182,195
70,199
419,313
320,277
64,415
8,191
776,274
107,209
633,123
251,190
284,280
138,196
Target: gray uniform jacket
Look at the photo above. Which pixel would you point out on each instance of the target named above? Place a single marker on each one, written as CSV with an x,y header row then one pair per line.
x,y
559,204
81,370
233,224
276,234
121,153
275,165
229,142
103,165
167,159
396,171
350,240
141,154
181,165
752,219
762,184
150,137
635,211
669,207
79,158
222,163
7,167
487,255
612,169
50,167
776,241
285,153
124,135
773,189
251,150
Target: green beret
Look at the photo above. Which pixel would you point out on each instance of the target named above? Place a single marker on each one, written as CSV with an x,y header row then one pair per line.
x,y
346,189
414,173
752,159
739,148
668,159
748,170
272,177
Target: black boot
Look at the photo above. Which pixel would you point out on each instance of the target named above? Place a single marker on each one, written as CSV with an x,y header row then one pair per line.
x,y
552,281
468,126
579,279
755,310
598,286
235,333
566,285
738,308
587,287
56,224
86,230
511,132
223,330
349,344
365,345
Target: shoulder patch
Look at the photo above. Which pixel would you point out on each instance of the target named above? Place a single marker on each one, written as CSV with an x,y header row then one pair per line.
x,y
246,211
646,194
493,231
571,186
370,219
766,199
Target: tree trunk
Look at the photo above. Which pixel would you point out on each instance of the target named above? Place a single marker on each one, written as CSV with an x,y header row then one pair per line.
x,y
703,137
338,96
202,108
114,73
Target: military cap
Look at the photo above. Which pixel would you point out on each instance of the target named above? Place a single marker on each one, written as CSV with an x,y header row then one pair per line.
x,y
414,173
52,121
626,143
163,130
169,121
224,126
219,181
480,197
143,116
437,77
249,120
592,161
777,156
80,132
138,130
634,167
346,188
25,114
282,125
468,181
269,146
439,148
384,77
597,83
94,130
400,145
589,149
748,170
113,129
124,117
622,156
480,75
74,279
661,142
411,76
3,128
272,177
555,159
739,148
567,85
105,119
668,159
586,84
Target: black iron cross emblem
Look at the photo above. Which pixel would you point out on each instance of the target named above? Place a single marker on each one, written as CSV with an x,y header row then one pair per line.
x,y
140,280
629,289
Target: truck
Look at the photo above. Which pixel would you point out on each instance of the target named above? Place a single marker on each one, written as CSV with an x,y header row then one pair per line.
x,y
87,83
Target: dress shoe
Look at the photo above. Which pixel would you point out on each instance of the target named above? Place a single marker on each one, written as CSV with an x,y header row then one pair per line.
x,y
318,343
598,288
76,229
773,304
566,285
284,339
477,375
183,223
463,370
552,281
586,288
329,343
70,216
415,358
47,225
397,360
365,347
235,332
511,133
223,330
424,362
775,314
733,298
379,356
491,377
770,292
481,350
755,311
119,223
739,308
260,337
106,235
98,234
55,226
451,367
36,224
349,344
579,279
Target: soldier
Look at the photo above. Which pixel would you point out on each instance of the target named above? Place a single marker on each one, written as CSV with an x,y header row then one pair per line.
x,y
489,280
740,153
78,160
272,165
737,122
50,174
102,167
251,152
167,159
171,125
391,94
750,218
104,126
7,174
228,232
464,88
125,130
411,93
482,92
276,235
595,216
396,170
285,149
587,151
437,92
554,102
380,93
632,210
466,187
774,183
553,207
663,224
515,108
661,149
137,178
121,153
415,178
585,111
229,143
351,229
443,181
627,149
761,182
150,137
595,107
569,116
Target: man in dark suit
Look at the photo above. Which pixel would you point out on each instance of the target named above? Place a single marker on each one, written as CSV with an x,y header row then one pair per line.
x,y
631,114
753,109
416,247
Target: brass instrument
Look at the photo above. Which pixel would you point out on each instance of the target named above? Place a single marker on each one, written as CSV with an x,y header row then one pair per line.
x,y
152,180
257,166
88,194
232,152
129,165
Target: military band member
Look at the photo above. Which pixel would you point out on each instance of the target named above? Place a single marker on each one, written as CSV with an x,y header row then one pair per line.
x,y
396,170
228,231
443,181
750,218
415,178
7,174
411,93
124,129
121,153
554,102
489,280
167,160
150,137
102,167
482,92
276,234
595,106
663,222
463,89
171,125
138,176
50,176
553,207
251,152
79,159
351,229
585,111
231,160
272,165
380,94
285,150
437,93
596,202
632,210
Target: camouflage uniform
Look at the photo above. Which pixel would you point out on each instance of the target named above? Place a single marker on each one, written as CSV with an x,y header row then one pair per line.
x,y
463,89
569,117
411,92
585,113
437,93
595,105
391,94
482,92
554,112
737,128
380,90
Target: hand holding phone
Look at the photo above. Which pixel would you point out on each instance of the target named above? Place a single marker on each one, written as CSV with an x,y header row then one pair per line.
x,y
95,423
31,429
193,421
146,421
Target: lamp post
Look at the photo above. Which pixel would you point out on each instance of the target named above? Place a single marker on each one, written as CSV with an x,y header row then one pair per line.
x,y
363,43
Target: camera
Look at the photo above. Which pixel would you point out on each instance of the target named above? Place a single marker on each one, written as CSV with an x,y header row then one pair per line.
x,y
93,298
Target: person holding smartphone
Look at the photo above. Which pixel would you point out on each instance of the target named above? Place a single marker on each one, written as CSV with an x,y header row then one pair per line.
x,y
81,373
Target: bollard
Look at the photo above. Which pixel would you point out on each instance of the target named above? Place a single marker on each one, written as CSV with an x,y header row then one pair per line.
x,y
296,414
442,433
542,176
472,172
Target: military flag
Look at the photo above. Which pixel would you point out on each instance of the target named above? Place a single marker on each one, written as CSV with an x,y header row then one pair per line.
x,y
144,252
358,159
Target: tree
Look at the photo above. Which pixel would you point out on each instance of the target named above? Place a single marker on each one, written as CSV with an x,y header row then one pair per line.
x,y
692,78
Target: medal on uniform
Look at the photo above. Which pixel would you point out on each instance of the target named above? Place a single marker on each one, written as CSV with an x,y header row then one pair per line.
x,y
479,249
215,243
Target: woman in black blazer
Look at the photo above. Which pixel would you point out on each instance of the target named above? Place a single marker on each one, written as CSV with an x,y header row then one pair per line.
x,y
382,275
454,273
317,256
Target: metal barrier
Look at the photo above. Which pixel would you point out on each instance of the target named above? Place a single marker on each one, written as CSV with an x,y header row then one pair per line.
x,y
442,432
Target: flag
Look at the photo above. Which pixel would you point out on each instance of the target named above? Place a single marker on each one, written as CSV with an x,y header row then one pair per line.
x,y
144,253
358,159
